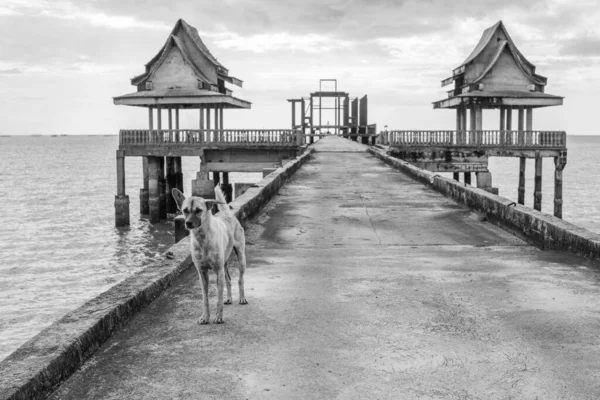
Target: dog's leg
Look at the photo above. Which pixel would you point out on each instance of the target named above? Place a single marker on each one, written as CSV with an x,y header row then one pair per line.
x,y
204,319
220,278
228,285
240,251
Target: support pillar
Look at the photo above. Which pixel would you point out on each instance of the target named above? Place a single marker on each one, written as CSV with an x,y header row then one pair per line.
x,y
171,183
559,165
121,199
293,114
216,178
178,173
467,178
458,119
159,134
529,124
144,190
221,117
456,176
227,187
151,125
521,193
162,182
537,194
154,189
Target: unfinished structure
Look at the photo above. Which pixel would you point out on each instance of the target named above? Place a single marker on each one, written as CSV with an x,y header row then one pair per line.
x,y
331,112
184,75
495,75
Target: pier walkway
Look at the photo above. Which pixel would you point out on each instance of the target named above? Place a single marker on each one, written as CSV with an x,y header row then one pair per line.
x,y
364,284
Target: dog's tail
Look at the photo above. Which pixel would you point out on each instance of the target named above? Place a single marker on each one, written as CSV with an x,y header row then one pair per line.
x,y
222,203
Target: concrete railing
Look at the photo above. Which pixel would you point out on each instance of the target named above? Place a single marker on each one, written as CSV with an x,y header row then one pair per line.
x,y
491,139
185,137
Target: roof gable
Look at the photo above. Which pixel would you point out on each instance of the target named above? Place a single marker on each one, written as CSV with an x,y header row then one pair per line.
x,y
186,37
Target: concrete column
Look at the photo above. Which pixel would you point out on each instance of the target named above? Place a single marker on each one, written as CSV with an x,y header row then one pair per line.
x,y
293,113
144,190
159,123
456,176
458,119
521,126
509,118
170,115
302,116
201,124
559,165
171,183
227,187
162,187
121,199
177,118
467,178
221,117
537,194
216,178
529,124
154,189
502,118
521,193
151,136
178,174
218,134
472,123
311,118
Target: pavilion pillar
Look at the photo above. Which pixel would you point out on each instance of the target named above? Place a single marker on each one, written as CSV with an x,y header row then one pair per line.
x,y
472,123
121,199
154,188
218,133
502,118
559,165
221,117
458,119
207,123
456,176
312,130
467,177
159,123
521,126
537,194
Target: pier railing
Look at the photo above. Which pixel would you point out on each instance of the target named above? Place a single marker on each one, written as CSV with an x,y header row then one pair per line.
x,y
495,139
187,137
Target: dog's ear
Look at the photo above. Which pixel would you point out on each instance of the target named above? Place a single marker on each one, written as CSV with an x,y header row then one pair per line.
x,y
178,196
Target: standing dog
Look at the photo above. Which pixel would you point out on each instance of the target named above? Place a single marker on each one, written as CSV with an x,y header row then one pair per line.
x,y
213,237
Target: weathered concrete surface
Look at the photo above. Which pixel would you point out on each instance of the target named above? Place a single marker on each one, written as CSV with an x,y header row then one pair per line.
x,y
34,369
544,230
363,283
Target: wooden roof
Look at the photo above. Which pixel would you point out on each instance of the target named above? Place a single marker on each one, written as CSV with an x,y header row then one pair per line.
x,y
183,70
496,68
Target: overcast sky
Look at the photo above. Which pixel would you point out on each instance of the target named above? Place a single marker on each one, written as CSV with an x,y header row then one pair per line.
x,y
61,62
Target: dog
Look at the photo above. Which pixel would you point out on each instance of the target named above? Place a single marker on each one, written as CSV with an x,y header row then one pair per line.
x,y
213,238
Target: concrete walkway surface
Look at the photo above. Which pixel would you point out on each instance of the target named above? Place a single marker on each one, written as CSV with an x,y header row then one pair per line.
x,y
364,284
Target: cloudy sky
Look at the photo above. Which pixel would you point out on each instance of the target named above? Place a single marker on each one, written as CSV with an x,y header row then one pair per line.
x,y
61,62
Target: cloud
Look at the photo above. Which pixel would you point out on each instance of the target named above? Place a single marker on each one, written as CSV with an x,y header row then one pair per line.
x,y
282,41
581,46
11,71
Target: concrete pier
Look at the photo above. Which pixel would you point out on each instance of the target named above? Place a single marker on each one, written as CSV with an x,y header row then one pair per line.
x,y
363,283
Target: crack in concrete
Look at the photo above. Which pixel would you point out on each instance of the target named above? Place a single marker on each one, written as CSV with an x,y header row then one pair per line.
x,y
362,199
